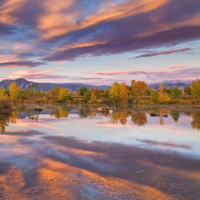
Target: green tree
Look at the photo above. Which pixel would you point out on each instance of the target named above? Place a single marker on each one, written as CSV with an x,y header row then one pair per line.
x,y
175,93
154,97
149,91
82,91
187,90
14,91
63,95
195,88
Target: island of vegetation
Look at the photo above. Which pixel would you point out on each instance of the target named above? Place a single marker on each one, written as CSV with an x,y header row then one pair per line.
x,y
136,93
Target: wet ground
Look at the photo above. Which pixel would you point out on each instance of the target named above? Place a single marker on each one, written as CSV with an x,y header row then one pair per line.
x,y
62,152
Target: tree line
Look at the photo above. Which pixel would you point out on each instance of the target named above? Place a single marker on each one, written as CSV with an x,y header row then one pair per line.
x,y
136,92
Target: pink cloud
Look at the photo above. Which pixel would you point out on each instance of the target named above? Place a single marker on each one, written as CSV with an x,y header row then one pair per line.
x,y
35,74
176,66
114,72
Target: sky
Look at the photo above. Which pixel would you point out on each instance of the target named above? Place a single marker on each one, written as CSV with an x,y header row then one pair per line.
x,y
100,41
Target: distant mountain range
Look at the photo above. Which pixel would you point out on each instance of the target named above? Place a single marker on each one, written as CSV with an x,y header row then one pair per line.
x,y
24,84
171,84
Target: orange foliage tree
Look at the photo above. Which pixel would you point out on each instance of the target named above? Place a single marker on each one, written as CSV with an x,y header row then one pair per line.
x,y
123,93
139,88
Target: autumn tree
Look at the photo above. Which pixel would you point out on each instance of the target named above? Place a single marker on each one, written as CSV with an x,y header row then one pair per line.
x,y
63,95
123,92
2,92
114,92
14,91
139,88
55,92
163,97
195,88
93,95
132,84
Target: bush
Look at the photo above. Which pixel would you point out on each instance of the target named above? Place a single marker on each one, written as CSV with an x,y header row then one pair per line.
x,y
4,103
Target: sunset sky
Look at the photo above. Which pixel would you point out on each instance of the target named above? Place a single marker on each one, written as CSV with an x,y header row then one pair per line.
x,y
100,41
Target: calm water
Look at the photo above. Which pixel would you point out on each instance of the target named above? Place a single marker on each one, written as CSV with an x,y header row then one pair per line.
x,y
60,152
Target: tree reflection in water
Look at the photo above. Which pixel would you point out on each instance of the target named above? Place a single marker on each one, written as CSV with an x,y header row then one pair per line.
x,y
3,124
115,117
196,120
123,117
139,118
175,115
61,112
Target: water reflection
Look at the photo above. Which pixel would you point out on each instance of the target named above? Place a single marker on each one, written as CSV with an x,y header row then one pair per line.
x,y
175,115
76,152
196,120
59,167
60,112
4,121
139,118
119,116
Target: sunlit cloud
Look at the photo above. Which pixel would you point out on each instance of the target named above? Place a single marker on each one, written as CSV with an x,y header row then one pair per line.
x,y
34,33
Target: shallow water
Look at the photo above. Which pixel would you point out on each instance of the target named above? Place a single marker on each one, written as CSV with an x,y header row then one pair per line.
x,y
60,152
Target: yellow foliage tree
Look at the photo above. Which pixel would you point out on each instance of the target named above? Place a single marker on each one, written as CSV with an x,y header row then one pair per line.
x,y
2,92
14,91
114,92
163,97
195,88
63,95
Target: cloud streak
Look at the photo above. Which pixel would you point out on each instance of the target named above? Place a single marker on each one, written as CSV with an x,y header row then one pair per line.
x,y
163,53
27,64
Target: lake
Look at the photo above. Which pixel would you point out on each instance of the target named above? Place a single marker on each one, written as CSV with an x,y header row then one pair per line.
x,y
74,152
